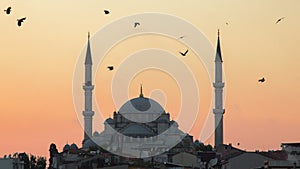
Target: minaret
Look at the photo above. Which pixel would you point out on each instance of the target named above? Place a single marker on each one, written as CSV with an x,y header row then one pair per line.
x,y
218,85
88,87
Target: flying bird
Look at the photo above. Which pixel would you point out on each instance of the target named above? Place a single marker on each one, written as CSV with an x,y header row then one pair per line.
x,y
106,12
280,19
8,10
110,68
181,37
227,23
183,54
262,80
20,21
136,24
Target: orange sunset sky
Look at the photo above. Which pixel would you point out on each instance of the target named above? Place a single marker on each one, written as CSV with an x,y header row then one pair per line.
x,y
38,61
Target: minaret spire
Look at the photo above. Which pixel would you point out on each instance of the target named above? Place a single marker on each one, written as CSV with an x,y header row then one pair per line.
x,y
88,87
88,58
218,54
218,85
141,91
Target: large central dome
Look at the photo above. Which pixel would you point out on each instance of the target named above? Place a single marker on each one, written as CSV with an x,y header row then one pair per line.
x,y
141,109
141,105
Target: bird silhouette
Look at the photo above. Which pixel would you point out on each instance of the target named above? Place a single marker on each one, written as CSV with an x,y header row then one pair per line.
x,y
262,80
8,10
183,54
227,23
280,19
106,12
181,37
136,24
20,21
110,68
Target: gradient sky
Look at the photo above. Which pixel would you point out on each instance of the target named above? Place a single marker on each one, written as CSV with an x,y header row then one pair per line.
x,y
39,58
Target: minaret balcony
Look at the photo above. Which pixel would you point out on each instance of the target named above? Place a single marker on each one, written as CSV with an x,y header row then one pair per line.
x,y
88,113
88,87
219,111
218,84
88,83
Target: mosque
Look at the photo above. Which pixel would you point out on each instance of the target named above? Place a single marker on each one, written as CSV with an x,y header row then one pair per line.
x,y
140,133
141,127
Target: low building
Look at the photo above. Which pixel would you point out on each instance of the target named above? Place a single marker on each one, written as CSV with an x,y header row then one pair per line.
x,y
239,159
11,163
246,160
293,150
275,164
186,160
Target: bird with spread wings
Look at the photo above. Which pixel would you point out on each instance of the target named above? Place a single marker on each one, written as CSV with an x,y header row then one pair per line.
x,y
184,54
20,21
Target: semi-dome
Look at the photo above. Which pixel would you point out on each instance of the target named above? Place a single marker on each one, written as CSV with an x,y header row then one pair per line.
x,y
137,130
89,143
96,134
174,123
109,120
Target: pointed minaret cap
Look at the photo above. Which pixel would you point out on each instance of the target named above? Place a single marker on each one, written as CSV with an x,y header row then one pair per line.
x,y
88,57
141,91
218,54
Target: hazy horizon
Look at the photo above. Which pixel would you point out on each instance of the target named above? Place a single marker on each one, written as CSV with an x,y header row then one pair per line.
x,y
39,59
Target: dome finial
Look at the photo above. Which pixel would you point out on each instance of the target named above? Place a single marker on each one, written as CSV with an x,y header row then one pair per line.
x,y
141,91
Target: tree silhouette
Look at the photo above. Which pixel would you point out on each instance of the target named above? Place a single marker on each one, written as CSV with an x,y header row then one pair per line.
x,y
53,151
201,147
41,163
24,157
32,162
